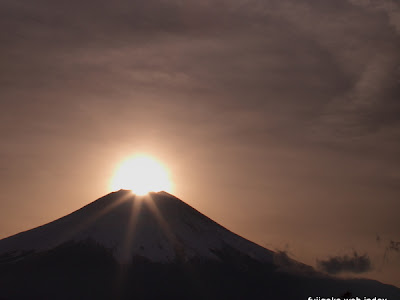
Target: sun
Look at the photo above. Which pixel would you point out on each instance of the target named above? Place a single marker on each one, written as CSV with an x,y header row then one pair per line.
x,y
141,174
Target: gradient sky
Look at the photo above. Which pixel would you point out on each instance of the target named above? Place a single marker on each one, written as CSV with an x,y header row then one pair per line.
x,y
279,119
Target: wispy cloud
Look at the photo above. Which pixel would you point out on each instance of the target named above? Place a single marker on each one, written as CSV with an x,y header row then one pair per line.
x,y
391,7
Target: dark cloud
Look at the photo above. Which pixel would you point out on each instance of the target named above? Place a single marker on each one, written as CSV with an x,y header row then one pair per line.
x,y
346,264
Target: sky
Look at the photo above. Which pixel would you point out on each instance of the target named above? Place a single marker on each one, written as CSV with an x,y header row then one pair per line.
x,y
280,120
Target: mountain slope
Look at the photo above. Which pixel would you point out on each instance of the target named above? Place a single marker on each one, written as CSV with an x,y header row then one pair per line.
x,y
123,246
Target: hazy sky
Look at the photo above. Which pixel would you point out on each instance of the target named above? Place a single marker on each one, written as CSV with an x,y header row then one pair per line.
x,y
279,119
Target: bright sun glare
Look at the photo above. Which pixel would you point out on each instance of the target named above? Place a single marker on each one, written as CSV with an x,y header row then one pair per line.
x,y
141,174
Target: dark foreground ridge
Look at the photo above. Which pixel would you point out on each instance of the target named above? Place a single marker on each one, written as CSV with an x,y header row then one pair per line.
x,y
123,246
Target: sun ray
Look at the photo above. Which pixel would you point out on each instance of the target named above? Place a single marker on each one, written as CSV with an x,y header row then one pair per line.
x,y
127,243
165,226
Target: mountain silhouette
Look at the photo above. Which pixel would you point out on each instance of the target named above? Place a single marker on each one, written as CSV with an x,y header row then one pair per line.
x,y
124,246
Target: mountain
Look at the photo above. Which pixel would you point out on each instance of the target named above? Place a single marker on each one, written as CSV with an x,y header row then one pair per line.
x,y
158,227
124,246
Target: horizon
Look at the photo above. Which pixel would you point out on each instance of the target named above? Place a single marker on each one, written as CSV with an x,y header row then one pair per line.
x,y
277,119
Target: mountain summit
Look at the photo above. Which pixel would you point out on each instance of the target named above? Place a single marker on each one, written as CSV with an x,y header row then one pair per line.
x,y
124,246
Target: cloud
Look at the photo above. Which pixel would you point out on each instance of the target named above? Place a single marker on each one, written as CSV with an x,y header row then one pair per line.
x,y
270,77
328,77
346,264
390,7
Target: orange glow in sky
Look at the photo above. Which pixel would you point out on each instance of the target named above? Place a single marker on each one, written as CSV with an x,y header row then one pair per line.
x,y
141,174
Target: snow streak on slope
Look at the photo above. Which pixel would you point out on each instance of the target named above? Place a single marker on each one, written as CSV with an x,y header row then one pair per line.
x,y
159,227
